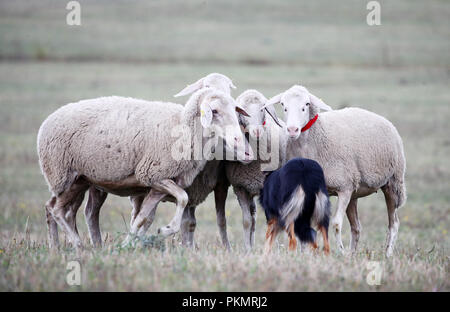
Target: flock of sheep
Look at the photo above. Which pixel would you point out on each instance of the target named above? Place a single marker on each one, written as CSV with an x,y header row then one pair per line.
x,y
123,146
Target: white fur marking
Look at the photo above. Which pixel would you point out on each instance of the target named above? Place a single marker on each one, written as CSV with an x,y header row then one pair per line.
x,y
319,207
293,208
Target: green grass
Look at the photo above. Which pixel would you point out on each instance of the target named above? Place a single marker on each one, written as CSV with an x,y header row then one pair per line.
x,y
399,70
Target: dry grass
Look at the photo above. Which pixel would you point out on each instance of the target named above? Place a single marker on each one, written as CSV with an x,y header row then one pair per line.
x,y
27,265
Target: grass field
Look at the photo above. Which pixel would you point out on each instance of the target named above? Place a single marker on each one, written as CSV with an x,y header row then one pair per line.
x,y
150,50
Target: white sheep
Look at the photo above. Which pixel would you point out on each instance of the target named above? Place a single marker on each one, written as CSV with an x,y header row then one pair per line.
x,y
360,152
124,146
207,180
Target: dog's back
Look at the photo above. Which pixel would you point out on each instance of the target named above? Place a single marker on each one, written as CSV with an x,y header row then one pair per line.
x,y
296,196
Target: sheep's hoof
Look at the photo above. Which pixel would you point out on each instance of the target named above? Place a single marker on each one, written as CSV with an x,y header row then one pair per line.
x,y
126,241
389,252
166,231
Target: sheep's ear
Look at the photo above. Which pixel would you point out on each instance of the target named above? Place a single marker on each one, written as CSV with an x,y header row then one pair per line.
x,y
191,88
271,111
274,100
205,114
241,111
319,103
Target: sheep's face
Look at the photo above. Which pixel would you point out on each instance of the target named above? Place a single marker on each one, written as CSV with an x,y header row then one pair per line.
x,y
253,101
297,103
296,107
218,112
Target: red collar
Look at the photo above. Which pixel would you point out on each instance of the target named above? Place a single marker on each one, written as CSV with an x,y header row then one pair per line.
x,y
310,123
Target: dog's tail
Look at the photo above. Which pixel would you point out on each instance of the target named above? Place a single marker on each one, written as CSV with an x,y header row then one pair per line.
x,y
322,210
293,208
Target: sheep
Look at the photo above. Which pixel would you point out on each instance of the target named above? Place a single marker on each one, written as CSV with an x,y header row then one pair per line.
x,y
207,181
248,180
359,151
295,198
125,146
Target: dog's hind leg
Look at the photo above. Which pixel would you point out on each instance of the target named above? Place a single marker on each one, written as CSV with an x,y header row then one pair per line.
x,y
326,245
271,234
292,238
313,245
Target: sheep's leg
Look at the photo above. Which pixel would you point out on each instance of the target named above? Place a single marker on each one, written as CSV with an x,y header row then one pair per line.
x,y
248,215
188,225
253,226
52,226
170,187
145,216
272,232
394,222
65,209
96,198
352,215
136,202
220,196
336,222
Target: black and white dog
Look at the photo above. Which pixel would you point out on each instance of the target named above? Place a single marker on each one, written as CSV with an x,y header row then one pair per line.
x,y
295,198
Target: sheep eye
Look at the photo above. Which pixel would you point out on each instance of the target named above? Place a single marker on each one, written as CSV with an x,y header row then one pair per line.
x,y
303,109
214,111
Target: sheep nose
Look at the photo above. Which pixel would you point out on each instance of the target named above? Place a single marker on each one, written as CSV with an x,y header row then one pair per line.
x,y
293,130
249,155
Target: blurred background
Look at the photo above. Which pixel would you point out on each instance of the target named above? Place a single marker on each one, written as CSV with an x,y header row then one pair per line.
x,y
152,49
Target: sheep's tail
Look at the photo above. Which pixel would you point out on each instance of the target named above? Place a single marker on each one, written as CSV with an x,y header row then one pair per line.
x,y
396,184
398,188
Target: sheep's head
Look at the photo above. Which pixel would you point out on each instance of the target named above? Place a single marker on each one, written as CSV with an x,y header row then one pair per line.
x,y
214,80
253,102
218,113
299,107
